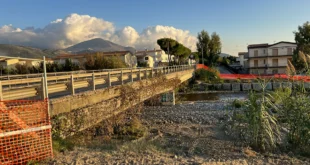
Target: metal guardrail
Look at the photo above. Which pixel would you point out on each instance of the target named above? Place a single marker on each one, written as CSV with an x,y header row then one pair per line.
x,y
30,86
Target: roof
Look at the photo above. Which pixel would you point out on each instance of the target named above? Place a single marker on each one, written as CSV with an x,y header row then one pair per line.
x,y
242,53
144,52
2,58
265,45
258,46
118,53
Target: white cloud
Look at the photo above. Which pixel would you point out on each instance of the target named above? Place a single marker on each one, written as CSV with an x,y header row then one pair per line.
x,y
75,28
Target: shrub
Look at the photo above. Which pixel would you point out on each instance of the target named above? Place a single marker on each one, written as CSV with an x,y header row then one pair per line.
x,y
103,62
211,75
237,103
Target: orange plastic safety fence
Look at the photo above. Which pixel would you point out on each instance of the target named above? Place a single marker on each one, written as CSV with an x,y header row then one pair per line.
x,y
25,132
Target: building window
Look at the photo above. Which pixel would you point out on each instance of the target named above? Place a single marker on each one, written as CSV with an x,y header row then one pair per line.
x,y
255,53
264,51
289,51
275,62
289,59
146,58
274,52
264,61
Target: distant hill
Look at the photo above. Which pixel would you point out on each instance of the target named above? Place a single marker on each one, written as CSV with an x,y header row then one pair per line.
x,y
26,52
97,45
224,55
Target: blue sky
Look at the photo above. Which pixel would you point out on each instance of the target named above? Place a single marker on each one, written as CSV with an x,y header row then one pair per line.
x,y
238,22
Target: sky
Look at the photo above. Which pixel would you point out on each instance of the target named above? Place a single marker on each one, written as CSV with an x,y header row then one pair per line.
x,y
61,23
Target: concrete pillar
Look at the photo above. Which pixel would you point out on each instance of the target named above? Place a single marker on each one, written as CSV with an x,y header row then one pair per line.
x,y
168,98
109,79
122,77
1,92
131,75
72,85
93,82
139,74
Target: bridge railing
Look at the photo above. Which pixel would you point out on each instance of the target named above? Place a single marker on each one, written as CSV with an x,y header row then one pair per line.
x,y
66,83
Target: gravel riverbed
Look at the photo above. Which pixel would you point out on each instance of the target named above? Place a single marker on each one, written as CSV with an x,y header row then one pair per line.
x,y
188,133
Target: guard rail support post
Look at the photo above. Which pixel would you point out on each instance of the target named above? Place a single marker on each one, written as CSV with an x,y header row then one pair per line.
x,y
131,75
93,82
72,85
122,77
109,79
42,90
145,73
1,92
139,74
151,73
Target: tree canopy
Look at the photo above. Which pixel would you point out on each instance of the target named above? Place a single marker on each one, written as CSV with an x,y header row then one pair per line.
x,y
209,46
173,47
302,38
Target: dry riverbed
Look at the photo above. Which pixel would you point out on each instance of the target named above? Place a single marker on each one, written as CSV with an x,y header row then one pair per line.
x,y
188,133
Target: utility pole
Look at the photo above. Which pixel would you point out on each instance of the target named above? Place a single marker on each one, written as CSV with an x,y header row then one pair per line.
x,y
202,55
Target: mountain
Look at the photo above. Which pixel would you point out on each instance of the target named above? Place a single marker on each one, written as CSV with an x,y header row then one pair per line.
x,y
224,55
26,52
97,45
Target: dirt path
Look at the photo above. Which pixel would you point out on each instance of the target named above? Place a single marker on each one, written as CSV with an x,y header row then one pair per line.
x,y
183,134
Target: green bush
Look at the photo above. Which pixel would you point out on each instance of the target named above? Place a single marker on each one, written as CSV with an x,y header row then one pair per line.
x,y
210,76
237,103
103,62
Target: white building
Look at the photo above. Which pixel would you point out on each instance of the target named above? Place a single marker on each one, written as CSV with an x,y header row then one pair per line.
x,y
153,58
270,59
10,62
80,59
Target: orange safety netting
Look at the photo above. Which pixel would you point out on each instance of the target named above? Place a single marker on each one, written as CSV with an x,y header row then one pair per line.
x,y
25,132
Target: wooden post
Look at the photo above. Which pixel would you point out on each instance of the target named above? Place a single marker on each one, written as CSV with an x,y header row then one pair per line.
x,y
72,85
122,78
109,79
93,82
131,75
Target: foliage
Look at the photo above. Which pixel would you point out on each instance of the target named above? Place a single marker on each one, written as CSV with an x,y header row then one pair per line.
x,y
99,61
173,47
210,75
302,39
61,145
237,103
209,46
255,123
142,64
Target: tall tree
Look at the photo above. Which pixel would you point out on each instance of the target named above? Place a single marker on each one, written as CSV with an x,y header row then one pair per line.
x,y
173,47
209,46
167,45
302,38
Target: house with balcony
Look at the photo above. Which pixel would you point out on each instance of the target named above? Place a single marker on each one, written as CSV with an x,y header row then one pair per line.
x,y
153,58
270,58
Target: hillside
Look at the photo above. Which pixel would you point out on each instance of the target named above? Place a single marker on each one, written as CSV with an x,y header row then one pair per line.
x,y
24,51
97,45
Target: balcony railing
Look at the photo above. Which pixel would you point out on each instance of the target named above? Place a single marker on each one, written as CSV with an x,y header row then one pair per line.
x,y
270,55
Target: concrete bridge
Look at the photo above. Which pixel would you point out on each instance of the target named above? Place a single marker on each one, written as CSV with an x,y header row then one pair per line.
x,y
79,100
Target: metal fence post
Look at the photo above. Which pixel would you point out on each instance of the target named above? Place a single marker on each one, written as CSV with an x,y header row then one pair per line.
x,y
122,78
151,74
42,89
72,85
93,82
131,75
1,93
145,73
139,74
109,79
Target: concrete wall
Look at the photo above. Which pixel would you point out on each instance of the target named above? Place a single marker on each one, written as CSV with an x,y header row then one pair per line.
x,y
76,113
